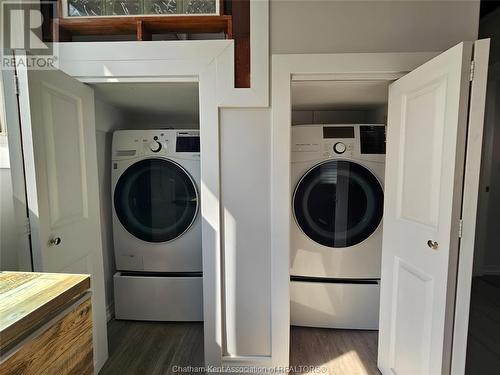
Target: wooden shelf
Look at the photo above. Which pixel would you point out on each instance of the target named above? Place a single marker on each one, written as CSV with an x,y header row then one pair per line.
x,y
143,27
235,25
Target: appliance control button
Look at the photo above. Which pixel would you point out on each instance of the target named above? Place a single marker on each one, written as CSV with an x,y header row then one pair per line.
x,y
155,146
339,147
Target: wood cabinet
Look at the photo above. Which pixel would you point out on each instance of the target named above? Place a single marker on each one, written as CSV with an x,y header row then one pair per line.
x,y
45,324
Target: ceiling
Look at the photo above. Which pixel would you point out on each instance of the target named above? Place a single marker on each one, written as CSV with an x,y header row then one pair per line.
x,y
173,98
336,95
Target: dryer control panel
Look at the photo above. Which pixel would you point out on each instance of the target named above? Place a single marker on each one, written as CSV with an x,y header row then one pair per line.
x,y
343,141
339,140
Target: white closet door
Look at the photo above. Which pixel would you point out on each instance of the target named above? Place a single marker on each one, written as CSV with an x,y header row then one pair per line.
x,y
426,143
59,143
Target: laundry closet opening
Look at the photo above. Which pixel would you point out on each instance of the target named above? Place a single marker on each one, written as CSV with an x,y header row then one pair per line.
x,y
148,147
337,170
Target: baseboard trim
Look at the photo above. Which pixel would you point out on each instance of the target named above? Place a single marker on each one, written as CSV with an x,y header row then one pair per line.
x,y
110,311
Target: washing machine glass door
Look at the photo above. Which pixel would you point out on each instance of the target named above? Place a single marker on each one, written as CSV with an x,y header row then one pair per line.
x,y
338,203
156,200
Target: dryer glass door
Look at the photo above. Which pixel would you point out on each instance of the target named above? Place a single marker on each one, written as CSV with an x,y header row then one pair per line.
x,y
156,200
338,203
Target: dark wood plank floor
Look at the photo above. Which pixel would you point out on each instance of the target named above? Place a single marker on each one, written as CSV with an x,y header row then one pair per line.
x,y
152,348
335,351
483,348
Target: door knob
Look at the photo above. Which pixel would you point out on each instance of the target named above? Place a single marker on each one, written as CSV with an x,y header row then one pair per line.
x,y
432,244
54,241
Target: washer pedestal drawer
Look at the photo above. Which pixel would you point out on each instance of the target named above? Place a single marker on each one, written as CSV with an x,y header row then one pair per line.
x,y
158,297
334,305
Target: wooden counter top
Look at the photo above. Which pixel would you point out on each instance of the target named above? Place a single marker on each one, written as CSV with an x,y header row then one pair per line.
x,y
29,299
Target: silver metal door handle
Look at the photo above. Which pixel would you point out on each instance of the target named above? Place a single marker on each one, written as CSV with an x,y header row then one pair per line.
x,y
432,244
54,241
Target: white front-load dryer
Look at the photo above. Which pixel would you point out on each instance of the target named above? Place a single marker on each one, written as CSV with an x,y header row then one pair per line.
x,y
156,224
336,231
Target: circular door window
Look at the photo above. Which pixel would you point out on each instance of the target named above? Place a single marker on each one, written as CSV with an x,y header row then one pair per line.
x,y
156,200
338,203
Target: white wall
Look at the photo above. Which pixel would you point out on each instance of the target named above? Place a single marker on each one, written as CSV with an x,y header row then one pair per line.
x,y
15,252
8,229
107,118
371,26
245,181
311,27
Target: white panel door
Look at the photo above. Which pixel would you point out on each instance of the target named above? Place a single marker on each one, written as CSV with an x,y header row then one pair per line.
x,y
59,143
426,141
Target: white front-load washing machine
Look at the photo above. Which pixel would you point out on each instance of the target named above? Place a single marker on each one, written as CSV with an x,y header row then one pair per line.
x,y
336,231
156,224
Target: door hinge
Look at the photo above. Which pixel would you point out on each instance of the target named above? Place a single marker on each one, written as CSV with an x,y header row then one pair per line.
x,y
472,70
16,84
460,228
27,226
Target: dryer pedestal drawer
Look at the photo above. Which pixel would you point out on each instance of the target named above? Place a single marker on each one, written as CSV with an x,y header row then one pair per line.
x,y
158,298
334,305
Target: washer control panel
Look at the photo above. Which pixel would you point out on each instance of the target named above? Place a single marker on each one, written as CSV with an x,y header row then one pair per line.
x,y
155,145
128,144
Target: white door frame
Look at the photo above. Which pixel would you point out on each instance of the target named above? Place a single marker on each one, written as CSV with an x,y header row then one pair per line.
x,y
211,63
352,66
